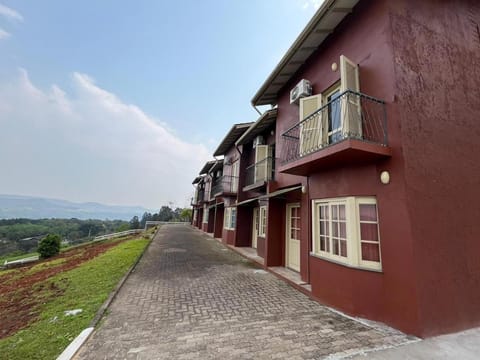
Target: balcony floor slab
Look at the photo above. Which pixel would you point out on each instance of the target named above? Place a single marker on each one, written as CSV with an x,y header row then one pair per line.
x,y
346,152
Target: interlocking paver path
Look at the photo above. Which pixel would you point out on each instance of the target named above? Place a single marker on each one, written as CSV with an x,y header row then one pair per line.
x,y
191,298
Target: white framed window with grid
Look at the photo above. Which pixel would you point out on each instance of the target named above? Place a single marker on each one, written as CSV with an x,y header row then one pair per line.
x,y
230,218
263,222
346,230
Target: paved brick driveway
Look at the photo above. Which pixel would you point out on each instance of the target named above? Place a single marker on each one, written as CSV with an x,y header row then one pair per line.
x,y
191,298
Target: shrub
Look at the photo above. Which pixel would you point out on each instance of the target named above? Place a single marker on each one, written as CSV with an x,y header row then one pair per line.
x,y
49,246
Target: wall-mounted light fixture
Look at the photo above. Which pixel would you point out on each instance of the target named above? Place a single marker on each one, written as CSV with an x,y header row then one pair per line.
x,y
334,66
385,177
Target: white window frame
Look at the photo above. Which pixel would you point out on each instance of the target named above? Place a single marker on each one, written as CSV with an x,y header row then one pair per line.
x,y
230,218
234,173
262,227
233,218
352,215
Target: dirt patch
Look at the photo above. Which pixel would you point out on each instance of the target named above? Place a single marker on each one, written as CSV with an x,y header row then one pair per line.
x,y
23,291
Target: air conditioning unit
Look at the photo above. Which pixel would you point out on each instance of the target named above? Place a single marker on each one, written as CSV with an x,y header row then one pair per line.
x,y
259,140
302,89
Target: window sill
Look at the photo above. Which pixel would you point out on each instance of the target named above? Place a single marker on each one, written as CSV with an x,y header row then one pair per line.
x,y
345,264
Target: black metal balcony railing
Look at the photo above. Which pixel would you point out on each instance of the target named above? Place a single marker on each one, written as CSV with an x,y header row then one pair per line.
x,y
199,197
350,115
260,172
225,184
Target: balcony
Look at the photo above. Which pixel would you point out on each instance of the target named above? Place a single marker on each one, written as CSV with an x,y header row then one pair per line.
x,y
258,174
224,185
350,129
199,197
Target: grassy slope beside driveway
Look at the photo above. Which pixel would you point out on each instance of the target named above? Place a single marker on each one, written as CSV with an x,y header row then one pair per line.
x,y
85,287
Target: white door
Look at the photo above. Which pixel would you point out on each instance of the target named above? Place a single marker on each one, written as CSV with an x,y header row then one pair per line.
x,y
293,237
261,154
311,131
351,106
255,226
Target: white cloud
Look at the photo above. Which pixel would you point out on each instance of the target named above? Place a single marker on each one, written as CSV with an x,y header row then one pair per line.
x,y
4,34
90,146
10,13
315,4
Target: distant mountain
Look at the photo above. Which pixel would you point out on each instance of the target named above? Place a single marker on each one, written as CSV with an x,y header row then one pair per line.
x,y
14,206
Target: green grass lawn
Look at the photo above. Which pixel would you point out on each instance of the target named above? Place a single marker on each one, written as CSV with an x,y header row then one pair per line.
x,y
85,287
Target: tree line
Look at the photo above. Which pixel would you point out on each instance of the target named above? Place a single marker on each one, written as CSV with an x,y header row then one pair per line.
x,y
22,235
164,214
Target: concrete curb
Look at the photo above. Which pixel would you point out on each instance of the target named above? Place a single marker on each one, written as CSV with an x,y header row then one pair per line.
x,y
72,349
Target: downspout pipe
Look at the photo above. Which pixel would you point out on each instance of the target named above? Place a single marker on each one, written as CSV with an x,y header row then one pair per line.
x,y
258,111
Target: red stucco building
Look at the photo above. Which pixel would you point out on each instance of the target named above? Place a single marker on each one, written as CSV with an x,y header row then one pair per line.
x,y
362,183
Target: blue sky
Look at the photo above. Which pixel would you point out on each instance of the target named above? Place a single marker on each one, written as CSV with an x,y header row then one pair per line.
x,y
122,102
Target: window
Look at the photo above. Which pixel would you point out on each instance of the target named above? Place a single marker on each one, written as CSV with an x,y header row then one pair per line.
x,y
346,230
234,182
263,221
233,218
230,218
334,118
261,156
226,218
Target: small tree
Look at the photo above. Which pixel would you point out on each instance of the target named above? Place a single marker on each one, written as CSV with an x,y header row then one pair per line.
x,y
186,214
49,246
135,223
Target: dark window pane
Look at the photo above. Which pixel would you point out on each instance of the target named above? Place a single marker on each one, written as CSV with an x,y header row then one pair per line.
x,y
335,229
335,247
343,230
368,212
322,243
341,212
370,252
369,231
343,248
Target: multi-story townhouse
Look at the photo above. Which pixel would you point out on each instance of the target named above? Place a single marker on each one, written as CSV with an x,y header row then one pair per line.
x,y
380,133
226,184
257,171
369,194
201,199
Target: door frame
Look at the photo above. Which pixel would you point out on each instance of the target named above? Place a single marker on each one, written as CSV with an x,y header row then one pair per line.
x,y
255,225
287,234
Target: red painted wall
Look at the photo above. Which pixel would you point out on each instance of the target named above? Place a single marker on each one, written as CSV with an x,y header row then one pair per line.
x,y
261,246
437,57
365,38
228,236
